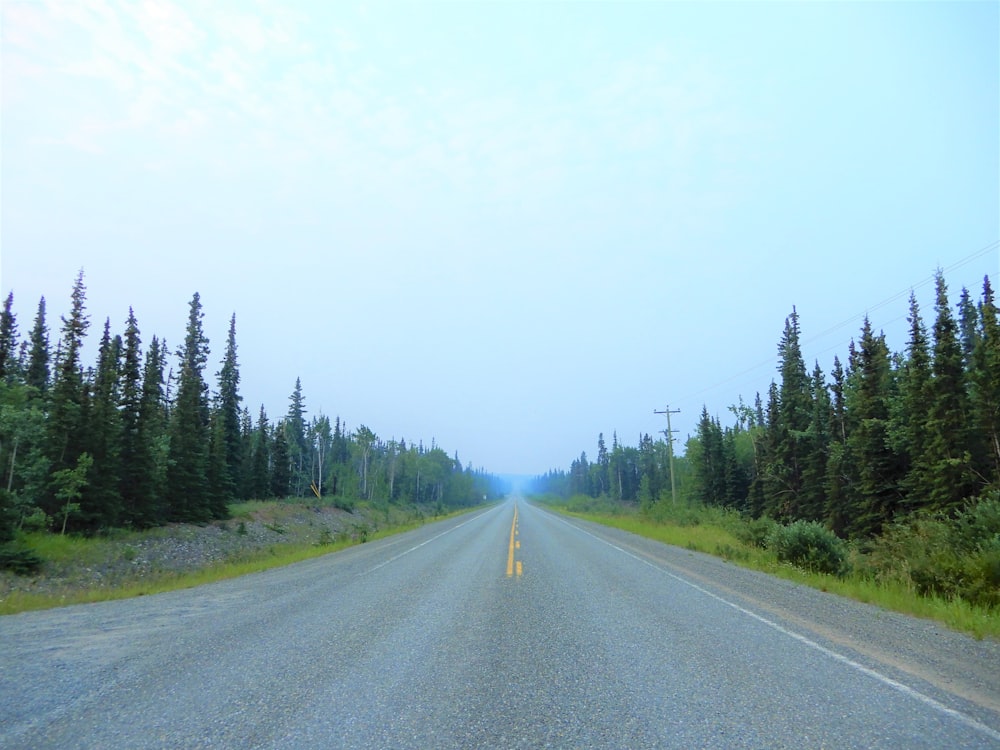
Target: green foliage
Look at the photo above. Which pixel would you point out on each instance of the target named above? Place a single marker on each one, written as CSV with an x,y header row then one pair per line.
x,y
588,504
162,450
938,554
69,485
326,537
37,374
8,517
755,532
65,423
809,545
34,520
100,503
18,559
8,338
188,492
227,412
361,532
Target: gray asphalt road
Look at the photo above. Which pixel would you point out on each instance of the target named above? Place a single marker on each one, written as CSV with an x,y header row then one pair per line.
x,y
485,632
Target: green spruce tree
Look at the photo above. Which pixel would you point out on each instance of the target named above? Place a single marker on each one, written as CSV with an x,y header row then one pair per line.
x,y
100,500
985,377
188,496
914,400
65,425
813,505
37,374
281,475
784,480
220,490
877,468
709,462
944,471
151,444
8,339
295,437
129,407
260,471
245,489
228,408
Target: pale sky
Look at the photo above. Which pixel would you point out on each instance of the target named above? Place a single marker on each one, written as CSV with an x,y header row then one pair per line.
x,y
503,226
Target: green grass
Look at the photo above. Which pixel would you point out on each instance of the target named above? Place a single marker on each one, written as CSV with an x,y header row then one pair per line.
x,y
71,548
712,536
84,551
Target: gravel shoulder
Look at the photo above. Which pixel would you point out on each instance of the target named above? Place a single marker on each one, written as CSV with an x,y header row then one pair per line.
x,y
903,647
126,557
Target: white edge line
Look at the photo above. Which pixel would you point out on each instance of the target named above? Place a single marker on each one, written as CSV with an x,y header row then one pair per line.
x,y
427,541
885,680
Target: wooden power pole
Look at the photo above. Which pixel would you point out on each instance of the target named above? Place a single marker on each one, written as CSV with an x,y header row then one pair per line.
x,y
670,449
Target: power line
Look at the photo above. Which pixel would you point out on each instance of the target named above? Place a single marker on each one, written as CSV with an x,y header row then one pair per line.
x,y
991,247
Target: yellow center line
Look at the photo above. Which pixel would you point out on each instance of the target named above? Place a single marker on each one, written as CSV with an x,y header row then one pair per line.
x,y
510,553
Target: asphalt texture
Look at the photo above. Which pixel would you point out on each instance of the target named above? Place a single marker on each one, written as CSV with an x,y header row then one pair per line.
x,y
508,628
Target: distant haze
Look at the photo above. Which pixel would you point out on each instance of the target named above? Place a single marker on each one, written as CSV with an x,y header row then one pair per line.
x,y
503,227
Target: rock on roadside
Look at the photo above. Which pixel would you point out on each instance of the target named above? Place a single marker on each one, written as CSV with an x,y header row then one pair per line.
x,y
125,557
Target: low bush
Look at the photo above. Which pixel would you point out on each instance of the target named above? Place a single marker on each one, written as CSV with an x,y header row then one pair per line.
x,y
18,559
809,545
756,531
588,504
685,514
934,554
341,502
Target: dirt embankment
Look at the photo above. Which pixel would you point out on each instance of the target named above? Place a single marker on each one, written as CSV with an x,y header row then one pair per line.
x,y
124,557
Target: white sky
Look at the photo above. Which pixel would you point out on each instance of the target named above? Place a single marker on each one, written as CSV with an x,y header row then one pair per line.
x,y
504,226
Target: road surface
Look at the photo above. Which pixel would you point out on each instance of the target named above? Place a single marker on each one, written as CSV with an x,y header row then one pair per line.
x,y
507,628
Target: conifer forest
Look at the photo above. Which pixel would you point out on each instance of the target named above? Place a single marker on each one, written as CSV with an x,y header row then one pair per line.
x,y
887,449
146,436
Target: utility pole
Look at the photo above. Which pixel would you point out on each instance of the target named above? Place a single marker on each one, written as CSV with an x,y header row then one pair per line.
x,y
670,449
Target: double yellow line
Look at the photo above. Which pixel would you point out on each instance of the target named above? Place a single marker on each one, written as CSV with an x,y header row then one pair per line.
x,y
514,544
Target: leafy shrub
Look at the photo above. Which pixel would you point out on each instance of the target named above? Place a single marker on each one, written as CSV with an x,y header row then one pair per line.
x,y
809,545
361,532
325,537
756,531
340,502
588,504
683,514
35,520
934,554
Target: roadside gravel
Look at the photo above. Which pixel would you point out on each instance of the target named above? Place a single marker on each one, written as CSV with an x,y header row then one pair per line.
x,y
126,557
912,650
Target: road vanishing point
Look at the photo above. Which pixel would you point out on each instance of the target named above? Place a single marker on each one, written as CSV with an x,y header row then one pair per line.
x,y
509,627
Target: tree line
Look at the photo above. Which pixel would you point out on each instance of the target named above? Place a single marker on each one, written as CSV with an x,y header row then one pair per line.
x,y
136,441
884,436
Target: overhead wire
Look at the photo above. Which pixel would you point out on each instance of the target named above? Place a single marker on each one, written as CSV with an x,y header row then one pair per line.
x,y
991,247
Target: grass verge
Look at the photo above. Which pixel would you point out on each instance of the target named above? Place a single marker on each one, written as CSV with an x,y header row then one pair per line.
x,y
715,538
